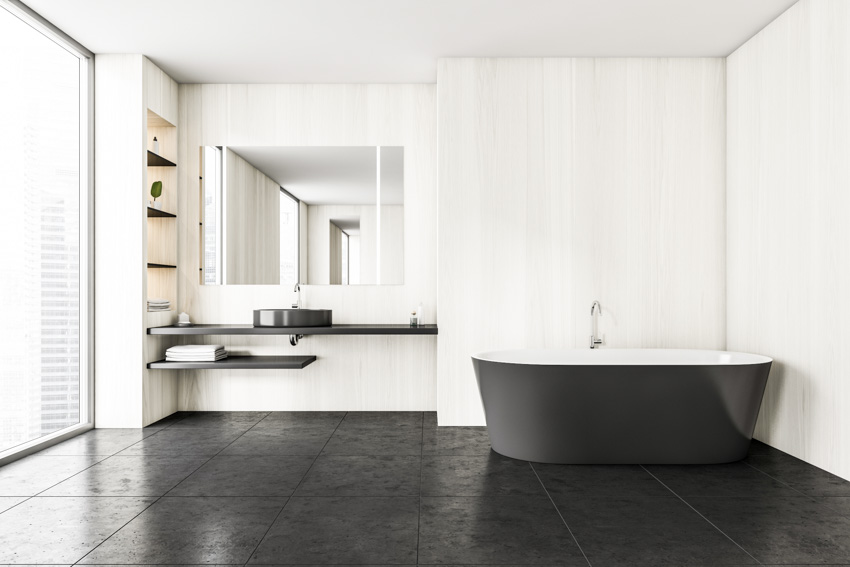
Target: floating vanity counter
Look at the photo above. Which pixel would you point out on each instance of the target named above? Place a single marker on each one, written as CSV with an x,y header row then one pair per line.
x,y
269,362
331,330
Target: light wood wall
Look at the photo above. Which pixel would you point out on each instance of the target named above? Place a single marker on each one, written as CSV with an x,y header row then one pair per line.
x,y
564,181
252,225
788,232
355,373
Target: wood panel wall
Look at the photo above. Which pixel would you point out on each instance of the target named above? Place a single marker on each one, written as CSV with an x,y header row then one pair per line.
x,y
788,232
252,224
355,373
564,181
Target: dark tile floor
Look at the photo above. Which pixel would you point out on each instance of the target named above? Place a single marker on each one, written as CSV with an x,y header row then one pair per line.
x,y
392,488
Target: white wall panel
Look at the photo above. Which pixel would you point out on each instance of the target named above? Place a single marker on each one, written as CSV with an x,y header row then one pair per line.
x,y
788,231
568,180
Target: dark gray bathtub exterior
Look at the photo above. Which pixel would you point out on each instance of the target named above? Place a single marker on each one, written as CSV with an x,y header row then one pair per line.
x,y
619,414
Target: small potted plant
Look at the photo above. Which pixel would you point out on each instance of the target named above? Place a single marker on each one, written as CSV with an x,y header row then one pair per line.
x,y
156,192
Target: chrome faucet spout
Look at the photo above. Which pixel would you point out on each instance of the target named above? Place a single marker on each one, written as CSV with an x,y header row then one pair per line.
x,y
297,304
594,340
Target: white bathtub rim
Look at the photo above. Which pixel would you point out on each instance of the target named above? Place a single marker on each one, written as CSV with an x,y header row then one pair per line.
x,y
621,357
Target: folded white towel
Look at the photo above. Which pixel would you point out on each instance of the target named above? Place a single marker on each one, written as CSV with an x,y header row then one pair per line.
x,y
195,349
158,301
203,358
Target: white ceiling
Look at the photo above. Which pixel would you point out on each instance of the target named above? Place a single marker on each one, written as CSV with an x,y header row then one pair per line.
x,y
395,41
331,175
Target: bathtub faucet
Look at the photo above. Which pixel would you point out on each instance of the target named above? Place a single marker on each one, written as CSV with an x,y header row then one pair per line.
x,y
594,341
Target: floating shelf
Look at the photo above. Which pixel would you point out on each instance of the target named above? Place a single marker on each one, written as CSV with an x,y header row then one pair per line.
x,y
332,330
156,160
152,265
159,213
233,362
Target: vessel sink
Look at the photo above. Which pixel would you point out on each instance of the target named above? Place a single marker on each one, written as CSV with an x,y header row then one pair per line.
x,y
293,317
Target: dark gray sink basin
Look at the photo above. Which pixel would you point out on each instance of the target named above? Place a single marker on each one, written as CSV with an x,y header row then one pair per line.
x,y
293,317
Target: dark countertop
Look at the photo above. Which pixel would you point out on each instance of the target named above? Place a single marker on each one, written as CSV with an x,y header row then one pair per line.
x,y
209,329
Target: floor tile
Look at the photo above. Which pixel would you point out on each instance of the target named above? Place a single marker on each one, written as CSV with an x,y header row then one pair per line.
x,y
329,419
342,530
33,474
369,439
732,479
341,475
840,504
99,442
246,476
168,421
483,475
7,502
801,475
757,448
125,475
499,529
386,418
213,419
187,441
62,530
438,440
599,480
306,440
646,531
178,530
781,530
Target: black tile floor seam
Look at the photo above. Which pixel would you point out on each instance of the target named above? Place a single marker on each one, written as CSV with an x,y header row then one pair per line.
x,y
92,550
419,516
288,500
703,517
798,491
549,496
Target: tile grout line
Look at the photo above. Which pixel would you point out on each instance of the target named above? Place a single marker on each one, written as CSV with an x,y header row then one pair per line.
x,y
421,457
755,468
294,490
701,515
77,562
546,490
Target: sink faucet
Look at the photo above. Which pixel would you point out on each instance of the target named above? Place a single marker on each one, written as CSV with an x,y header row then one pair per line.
x,y
594,341
297,304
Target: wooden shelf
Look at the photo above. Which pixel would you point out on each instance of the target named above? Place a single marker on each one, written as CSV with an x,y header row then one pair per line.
x,y
159,213
201,329
155,160
243,362
152,265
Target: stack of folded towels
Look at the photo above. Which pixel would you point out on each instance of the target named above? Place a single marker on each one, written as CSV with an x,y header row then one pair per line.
x,y
159,305
195,353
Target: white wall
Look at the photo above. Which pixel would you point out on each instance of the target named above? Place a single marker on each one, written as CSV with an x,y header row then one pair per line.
x,y
126,394
354,373
568,180
788,230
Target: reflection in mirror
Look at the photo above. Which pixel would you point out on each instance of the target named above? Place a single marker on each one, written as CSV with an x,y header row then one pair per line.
x,y
314,215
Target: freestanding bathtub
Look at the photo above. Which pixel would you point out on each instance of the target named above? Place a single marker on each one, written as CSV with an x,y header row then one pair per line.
x,y
618,406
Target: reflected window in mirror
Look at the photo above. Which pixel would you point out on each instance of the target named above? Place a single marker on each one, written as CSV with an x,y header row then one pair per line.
x,y
289,268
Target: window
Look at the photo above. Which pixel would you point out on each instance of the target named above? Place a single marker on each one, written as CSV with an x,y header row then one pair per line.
x,y
45,384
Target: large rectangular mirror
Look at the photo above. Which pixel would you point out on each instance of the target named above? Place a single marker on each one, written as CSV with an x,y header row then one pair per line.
x,y
314,215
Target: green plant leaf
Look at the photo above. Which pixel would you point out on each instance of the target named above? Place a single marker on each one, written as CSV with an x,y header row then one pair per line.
x,y
156,190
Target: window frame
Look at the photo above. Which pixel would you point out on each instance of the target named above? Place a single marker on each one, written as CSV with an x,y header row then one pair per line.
x,y
86,173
